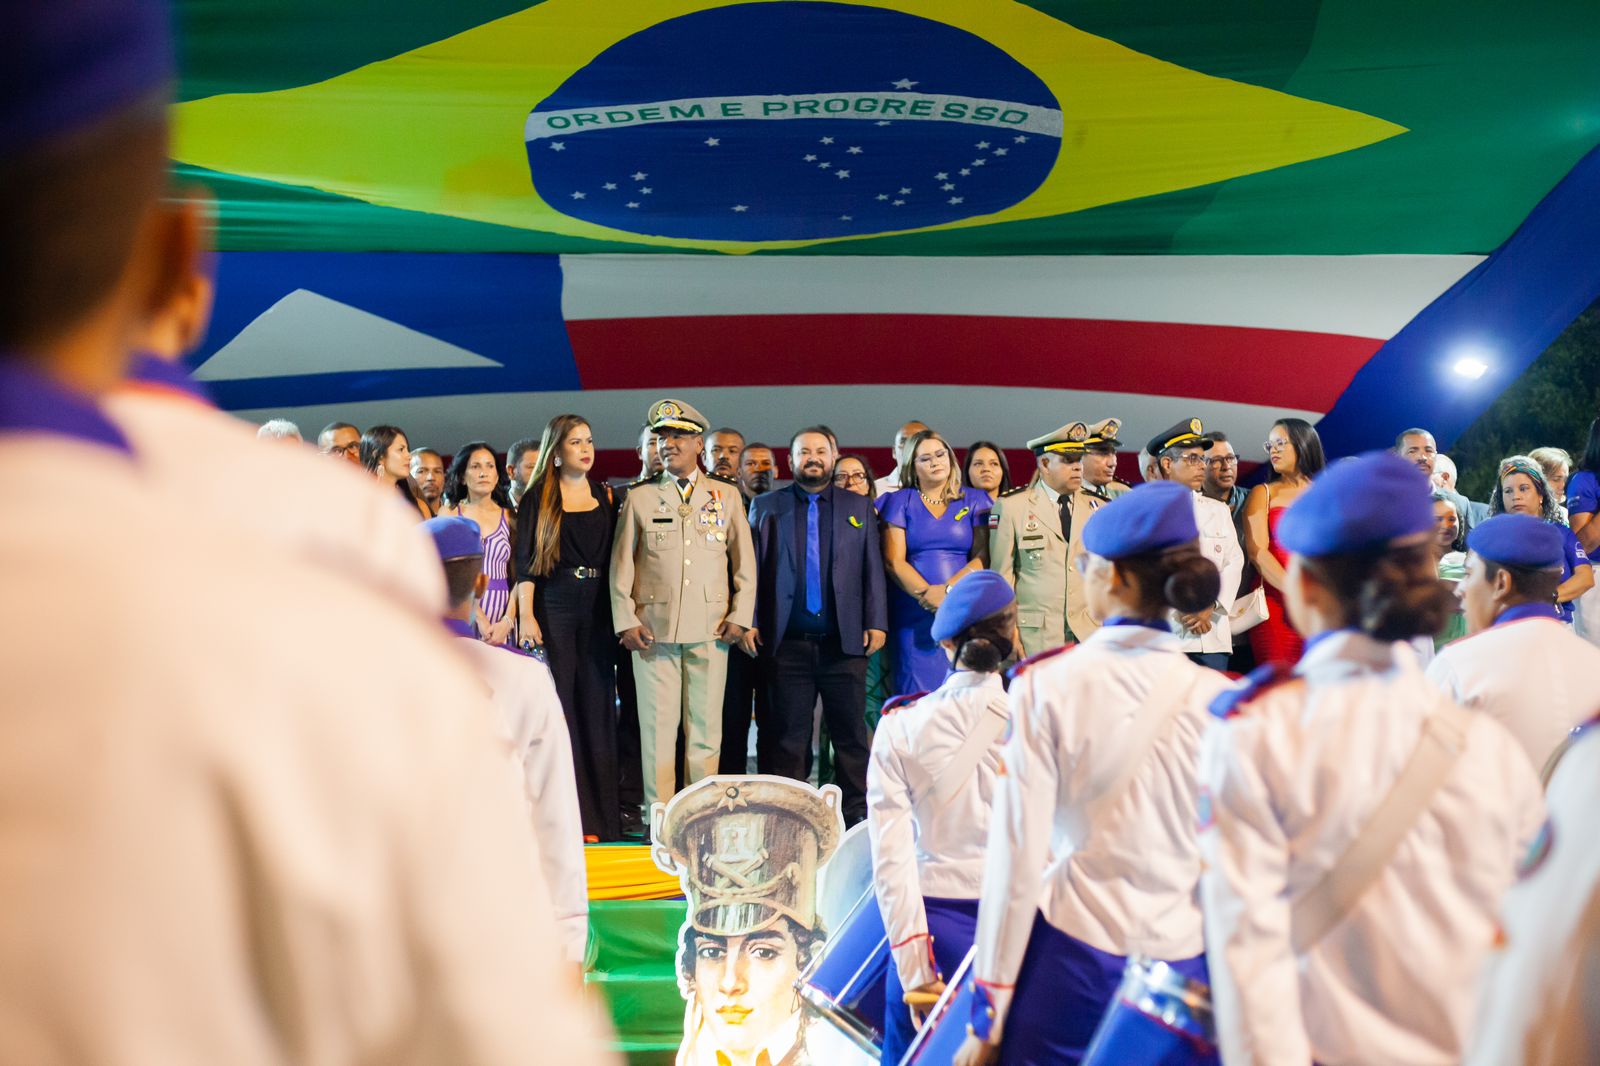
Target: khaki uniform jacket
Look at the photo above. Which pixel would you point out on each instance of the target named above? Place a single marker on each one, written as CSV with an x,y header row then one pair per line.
x,y
1079,620
682,575
1028,547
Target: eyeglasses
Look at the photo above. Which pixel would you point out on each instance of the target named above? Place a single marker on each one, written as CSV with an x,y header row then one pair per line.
x,y
1274,445
1191,459
849,479
1222,461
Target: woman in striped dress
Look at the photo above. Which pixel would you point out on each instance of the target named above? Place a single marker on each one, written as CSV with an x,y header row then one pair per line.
x,y
473,489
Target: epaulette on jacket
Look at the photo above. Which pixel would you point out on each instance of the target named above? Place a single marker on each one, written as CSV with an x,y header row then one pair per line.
x,y
894,703
1015,490
1230,701
1024,665
724,479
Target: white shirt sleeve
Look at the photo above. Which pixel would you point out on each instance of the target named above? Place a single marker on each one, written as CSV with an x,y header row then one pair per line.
x,y
1244,894
1232,568
892,829
1019,844
552,790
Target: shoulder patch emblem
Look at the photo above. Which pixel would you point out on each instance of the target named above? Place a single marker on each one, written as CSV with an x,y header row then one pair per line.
x,y
1031,661
1230,701
895,703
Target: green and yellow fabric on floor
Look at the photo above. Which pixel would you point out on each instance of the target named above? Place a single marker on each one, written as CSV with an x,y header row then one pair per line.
x,y
635,912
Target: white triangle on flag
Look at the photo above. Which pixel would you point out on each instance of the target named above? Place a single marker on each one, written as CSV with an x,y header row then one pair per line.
x,y
306,333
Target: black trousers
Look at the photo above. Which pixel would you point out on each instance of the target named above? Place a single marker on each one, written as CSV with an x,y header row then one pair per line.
x,y
630,774
575,617
797,673
744,697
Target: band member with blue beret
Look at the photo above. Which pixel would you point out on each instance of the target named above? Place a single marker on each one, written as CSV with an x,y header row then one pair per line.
x,y
1362,826
1522,665
1092,850
930,787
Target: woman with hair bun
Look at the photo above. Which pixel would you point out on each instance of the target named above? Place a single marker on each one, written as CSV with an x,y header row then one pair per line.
x,y
930,785
1362,826
1092,854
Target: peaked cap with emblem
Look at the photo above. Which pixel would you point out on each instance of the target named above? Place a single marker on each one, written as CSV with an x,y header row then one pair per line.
x,y
748,850
1188,433
1068,440
675,414
1104,432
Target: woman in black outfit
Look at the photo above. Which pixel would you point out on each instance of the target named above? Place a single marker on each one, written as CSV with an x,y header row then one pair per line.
x,y
563,556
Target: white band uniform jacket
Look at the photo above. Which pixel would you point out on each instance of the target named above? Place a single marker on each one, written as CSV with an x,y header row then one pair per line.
x,y
1534,676
921,847
1293,777
532,723
1126,884
1219,543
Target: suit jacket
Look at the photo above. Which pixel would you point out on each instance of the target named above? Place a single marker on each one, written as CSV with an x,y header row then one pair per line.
x,y
1079,620
682,575
856,577
1028,547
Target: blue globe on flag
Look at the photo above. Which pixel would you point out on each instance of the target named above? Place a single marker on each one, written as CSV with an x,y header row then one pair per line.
x,y
867,121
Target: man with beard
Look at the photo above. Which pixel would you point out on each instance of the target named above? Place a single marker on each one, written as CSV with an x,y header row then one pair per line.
x,y
682,592
755,471
822,608
722,452
521,458
427,470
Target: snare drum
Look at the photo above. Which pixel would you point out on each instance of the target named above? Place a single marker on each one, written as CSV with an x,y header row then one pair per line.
x,y
844,982
1159,1018
945,1029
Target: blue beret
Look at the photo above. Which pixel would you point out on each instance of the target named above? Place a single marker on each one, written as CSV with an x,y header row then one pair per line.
x,y
454,538
1519,540
975,596
1153,517
1359,504
66,64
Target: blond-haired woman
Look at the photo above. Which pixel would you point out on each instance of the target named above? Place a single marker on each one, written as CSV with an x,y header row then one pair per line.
x,y
563,555
935,532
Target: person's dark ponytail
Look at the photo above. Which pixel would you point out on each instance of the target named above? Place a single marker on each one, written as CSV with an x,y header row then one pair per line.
x,y
1180,578
1393,596
986,643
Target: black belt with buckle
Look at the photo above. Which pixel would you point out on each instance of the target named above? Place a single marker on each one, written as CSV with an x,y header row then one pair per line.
x,y
583,572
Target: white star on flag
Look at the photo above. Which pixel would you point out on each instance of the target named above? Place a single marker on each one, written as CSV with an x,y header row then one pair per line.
x,y
608,186
979,162
853,150
883,196
846,218
1001,151
897,203
712,142
955,199
827,140
578,196
1020,139
824,164
740,207
809,158
947,186
964,172
841,173
983,144
640,175
647,190
881,122
905,192
557,146
633,203
941,176
904,83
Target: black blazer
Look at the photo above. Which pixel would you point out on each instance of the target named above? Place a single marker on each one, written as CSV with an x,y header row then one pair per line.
x,y
859,595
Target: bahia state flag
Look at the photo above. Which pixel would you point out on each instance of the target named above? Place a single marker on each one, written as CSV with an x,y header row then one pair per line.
x,y
993,215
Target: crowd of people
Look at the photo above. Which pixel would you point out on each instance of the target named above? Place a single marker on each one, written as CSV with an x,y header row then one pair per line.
x,y
725,666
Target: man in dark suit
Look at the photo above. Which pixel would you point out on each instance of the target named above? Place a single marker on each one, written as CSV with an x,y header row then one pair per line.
x,y
821,610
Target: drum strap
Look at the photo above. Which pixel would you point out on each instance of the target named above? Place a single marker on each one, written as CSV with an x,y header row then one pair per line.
x,y
1160,705
996,716
1443,740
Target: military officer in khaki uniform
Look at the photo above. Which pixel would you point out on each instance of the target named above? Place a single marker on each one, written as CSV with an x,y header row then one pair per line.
x,y
1030,528
683,584
1100,460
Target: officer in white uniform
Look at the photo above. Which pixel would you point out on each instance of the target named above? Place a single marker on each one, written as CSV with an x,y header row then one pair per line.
x,y
1092,853
1537,1006
1523,665
930,787
1178,454
1362,827
530,721
230,842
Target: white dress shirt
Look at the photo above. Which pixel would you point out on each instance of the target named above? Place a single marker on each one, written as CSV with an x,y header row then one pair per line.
x,y
1219,543
1534,676
532,723
1293,779
921,847
1127,883
234,837
1537,1003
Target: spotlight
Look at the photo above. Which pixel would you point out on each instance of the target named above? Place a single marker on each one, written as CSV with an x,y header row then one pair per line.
x,y
1470,367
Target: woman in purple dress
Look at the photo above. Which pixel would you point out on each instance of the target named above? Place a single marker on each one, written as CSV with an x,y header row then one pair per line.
x,y
934,533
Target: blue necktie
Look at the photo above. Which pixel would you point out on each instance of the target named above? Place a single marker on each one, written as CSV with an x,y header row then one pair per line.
x,y
813,559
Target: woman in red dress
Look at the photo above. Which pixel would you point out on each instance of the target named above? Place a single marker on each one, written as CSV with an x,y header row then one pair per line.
x,y
1295,453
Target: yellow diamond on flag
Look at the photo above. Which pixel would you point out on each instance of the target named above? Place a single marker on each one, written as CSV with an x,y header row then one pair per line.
x,y
704,124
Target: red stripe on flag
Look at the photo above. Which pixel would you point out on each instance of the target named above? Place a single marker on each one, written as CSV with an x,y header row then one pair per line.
x,y
1281,368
